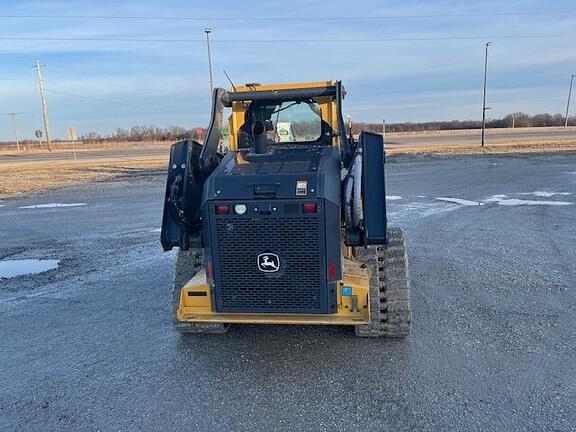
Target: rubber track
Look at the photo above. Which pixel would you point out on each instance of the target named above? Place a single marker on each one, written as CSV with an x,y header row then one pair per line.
x,y
390,308
187,265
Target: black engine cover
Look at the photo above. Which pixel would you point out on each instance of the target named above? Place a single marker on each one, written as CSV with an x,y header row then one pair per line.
x,y
275,257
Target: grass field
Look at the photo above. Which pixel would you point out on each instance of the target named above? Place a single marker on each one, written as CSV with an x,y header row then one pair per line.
x,y
21,179
37,170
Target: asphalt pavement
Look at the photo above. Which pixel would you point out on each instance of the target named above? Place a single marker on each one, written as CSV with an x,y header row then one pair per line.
x,y
83,154
473,136
89,345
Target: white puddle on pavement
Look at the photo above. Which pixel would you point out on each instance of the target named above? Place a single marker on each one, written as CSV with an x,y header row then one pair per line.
x,y
52,205
14,268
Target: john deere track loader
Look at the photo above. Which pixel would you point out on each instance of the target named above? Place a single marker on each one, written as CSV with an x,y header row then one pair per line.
x,y
284,224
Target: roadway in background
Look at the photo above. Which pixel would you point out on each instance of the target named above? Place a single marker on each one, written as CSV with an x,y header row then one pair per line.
x,y
493,136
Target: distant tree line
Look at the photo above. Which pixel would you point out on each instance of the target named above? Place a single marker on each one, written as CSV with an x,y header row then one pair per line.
x,y
145,133
511,120
176,133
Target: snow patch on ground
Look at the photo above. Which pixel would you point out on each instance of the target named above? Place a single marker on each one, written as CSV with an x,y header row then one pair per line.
x,y
544,194
393,197
414,210
52,205
460,201
519,202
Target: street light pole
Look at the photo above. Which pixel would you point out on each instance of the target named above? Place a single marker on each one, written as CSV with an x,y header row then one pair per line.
x,y
568,103
484,98
208,30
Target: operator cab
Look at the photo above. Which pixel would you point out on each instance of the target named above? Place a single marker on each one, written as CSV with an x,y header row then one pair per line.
x,y
292,123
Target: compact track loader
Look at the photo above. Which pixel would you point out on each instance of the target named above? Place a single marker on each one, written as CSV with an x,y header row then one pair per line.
x,y
287,223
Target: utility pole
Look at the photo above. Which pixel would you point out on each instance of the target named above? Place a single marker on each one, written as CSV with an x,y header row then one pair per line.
x,y
208,30
13,115
568,103
38,66
484,98
513,120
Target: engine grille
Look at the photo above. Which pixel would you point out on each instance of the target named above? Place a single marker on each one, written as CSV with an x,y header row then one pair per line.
x,y
241,287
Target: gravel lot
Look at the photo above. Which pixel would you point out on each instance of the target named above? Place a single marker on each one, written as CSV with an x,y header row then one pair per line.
x,y
89,345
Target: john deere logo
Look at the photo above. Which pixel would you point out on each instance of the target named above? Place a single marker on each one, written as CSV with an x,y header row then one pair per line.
x,y
268,262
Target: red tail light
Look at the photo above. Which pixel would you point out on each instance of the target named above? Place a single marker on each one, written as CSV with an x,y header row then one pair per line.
x,y
309,207
209,272
222,209
331,271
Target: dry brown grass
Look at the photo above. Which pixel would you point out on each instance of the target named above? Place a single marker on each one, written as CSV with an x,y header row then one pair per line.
x,y
67,146
37,176
18,178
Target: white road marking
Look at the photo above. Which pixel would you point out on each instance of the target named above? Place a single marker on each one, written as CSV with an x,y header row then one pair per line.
x,y
156,230
460,201
393,197
52,205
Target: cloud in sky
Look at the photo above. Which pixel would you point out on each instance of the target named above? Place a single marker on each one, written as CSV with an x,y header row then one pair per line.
x,y
426,66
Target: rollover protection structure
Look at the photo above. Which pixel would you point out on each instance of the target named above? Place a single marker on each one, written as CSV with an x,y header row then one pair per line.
x,y
286,223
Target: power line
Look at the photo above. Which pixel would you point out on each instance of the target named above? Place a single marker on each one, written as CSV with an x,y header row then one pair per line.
x,y
299,18
99,99
145,93
274,41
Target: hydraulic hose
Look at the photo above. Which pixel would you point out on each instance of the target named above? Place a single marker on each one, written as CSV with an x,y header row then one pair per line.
x,y
357,210
348,187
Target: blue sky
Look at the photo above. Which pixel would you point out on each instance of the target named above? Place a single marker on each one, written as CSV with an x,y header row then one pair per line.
x,y
427,64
